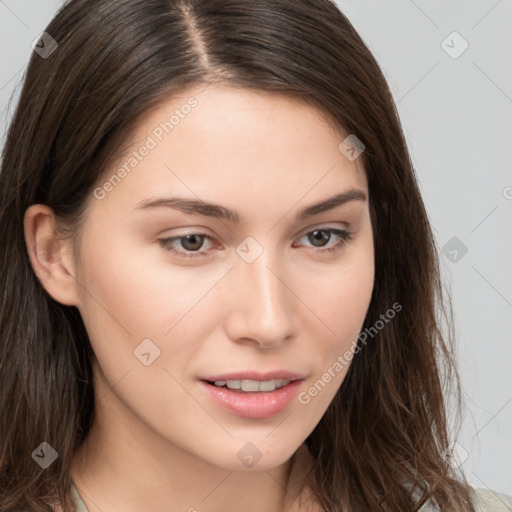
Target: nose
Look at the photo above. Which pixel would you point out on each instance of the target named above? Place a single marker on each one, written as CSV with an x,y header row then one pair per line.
x,y
261,304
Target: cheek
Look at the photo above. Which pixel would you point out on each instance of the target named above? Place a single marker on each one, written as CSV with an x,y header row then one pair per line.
x,y
342,310
132,295
341,295
342,305
136,290
145,322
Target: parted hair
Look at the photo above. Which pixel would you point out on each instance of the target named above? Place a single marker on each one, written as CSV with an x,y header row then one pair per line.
x,y
382,444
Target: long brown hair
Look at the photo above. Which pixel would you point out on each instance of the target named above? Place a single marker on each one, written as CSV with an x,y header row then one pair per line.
x,y
381,444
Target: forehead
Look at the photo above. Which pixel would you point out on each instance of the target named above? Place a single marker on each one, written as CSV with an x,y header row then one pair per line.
x,y
241,118
230,143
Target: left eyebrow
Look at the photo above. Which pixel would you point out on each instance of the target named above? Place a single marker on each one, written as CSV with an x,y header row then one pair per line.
x,y
200,207
352,194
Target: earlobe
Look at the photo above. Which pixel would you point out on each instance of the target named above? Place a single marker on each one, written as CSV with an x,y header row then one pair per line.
x,y
51,257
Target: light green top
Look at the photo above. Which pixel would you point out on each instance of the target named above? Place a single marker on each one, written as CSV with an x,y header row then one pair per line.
x,y
485,501
77,500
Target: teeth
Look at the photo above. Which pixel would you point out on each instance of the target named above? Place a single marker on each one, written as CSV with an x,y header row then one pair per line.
x,y
253,385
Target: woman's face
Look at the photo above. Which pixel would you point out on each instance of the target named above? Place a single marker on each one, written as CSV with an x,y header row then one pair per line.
x,y
260,286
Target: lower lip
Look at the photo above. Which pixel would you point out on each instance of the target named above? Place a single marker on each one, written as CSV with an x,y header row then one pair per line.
x,y
253,405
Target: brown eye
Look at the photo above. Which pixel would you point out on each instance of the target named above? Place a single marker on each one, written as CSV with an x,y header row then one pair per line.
x,y
318,237
190,244
321,236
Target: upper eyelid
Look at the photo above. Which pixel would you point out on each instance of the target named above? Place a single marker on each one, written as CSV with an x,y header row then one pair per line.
x,y
316,227
198,231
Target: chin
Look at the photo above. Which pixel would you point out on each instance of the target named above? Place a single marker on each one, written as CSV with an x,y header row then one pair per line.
x,y
257,455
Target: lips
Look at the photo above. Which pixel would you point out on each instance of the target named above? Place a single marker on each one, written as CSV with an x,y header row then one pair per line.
x,y
252,404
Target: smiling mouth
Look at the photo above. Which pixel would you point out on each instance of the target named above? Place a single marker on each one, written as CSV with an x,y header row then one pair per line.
x,y
250,386
254,398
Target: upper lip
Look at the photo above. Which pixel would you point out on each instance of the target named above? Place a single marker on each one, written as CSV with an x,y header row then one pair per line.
x,y
253,375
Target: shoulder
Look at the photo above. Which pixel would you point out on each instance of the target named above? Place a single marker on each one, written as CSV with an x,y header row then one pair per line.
x,y
492,501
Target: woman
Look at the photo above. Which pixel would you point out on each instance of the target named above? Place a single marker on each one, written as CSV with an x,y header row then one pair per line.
x,y
220,282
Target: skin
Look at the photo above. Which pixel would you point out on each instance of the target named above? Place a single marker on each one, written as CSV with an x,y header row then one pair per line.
x,y
158,439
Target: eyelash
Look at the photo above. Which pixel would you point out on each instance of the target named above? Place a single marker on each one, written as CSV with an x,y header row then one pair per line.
x,y
345,237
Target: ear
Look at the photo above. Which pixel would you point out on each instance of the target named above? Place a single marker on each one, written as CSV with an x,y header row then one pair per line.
x,y
51,257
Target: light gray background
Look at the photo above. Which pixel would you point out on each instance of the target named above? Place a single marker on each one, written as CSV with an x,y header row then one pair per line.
x,y
457,117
